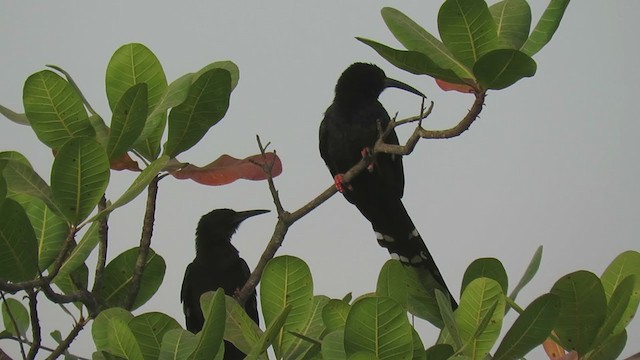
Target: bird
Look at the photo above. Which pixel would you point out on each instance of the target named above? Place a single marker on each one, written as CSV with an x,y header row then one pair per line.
x,y
217,264
351,127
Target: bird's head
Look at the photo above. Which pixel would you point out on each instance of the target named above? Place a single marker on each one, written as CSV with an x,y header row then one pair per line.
x,y
363,82
217,227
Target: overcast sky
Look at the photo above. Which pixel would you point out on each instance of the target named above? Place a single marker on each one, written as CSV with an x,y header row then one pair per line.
x,y
553,160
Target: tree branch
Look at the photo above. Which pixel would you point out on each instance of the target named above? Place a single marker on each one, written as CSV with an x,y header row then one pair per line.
x,y
35,325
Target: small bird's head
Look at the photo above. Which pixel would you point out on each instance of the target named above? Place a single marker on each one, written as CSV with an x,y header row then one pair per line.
x,y
363,82
217,227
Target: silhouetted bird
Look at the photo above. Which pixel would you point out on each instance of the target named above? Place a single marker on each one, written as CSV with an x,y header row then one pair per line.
x,y
217,265
350,126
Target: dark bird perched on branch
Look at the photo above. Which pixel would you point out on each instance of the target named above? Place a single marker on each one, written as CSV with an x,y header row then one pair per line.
x,y
217,265
352,125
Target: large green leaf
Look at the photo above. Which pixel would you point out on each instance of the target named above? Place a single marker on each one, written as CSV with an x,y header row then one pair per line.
x,y
122,342
22,179
79,177
490,268
413,61
149,329
314,328
230,66
333,345
15,317
100,327
240,329
133,64
334,314
118,275
286,281
467,29
482,297
530,329
513,21
18,244
546,27
51,230
177,344
501,68
439,352
609,349
128,120
378,325
625,264
211,335
615,322
175,94
415,38
206,104
583,310
54,109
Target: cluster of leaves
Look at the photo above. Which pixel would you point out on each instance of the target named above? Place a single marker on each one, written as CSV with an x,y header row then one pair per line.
x,y
482,47
40,221
587,314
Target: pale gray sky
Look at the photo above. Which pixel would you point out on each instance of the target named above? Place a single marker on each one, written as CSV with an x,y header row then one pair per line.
x,y
553,160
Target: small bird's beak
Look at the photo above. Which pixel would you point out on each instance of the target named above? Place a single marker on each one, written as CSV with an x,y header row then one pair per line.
x,y
400,85
244,215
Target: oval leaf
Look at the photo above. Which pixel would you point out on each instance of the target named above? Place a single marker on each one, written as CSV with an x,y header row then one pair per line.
x,y
502,68
121,340
625,264
206,104
15,317
583,310
513,21
334,314
55,110
79,177
488,268
51,231
546,27
227,169
210,337
18,244
240,329
100,327
128,120
177,344
149,329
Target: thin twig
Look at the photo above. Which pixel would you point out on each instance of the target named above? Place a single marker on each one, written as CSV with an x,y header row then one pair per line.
x,y
145,243
36,331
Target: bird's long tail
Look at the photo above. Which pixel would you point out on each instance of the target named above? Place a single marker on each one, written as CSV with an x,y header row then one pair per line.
x,y
395,231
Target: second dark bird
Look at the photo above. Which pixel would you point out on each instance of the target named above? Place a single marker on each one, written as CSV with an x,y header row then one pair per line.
x,y
350,126
217,265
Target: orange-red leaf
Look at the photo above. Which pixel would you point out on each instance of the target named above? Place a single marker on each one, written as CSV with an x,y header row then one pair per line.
x,y
447,86
125,162
227,169
553,350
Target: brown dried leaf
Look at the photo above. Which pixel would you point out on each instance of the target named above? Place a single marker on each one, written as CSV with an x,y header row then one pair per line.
x,y
227,169
124,162
446,86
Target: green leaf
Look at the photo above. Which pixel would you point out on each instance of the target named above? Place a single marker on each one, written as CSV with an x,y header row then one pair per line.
x,y
140,183
75,86
502,68
415,38
149,329
100,327
22,179
529,273
210,337
101,129
334,314
467,29
3,183
412,61
333,345
490,268
530,329
128,120
206,104
546,27
615,322
286,281
14,116
513,21
81,252
625,264
18,244
314,328
230,66
133,64
50,230
175,94
583,310
15,317
271,333
611,348
121,340
177,344
79,177
380,326
477,301
418,347
118,275
449,319
439,352
54,109
240,329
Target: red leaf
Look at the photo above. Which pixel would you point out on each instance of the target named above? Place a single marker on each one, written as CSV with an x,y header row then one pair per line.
x,y
553,350
227,169
447,86
125,162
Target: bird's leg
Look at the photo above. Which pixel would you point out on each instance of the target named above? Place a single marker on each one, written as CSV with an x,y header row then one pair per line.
x,y
341,185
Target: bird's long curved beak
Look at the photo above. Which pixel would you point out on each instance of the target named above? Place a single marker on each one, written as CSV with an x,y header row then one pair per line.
x,y
243,215
388,82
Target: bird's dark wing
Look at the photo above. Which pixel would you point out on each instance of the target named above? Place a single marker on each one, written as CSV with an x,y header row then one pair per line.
x,y
190,298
